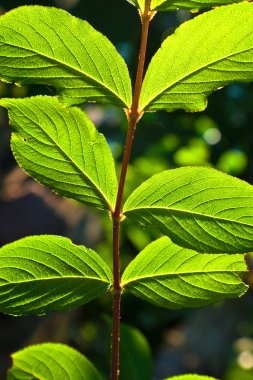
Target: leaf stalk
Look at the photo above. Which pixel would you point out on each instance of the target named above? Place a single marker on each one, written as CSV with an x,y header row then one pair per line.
x,y
133,115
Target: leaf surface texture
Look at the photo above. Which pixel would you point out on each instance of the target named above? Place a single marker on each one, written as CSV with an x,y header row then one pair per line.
x,y
210,51
191,377
43,273
51,361
169,5
45,45
197,207
173,277
61,148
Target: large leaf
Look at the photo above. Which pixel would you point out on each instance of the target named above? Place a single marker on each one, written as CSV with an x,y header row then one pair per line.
x,y
42,45
43,273
199,208
210,51
52,361
174,277
168,5
61,148
190,377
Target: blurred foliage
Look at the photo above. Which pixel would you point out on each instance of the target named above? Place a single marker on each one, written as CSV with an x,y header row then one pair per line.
x,y
222,137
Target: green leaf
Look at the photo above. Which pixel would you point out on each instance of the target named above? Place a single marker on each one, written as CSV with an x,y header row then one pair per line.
x,y
135,355
44,45
173,277
138,3
52,361
218,52
169,5
199,208
61,148
43,273
133,344
191,377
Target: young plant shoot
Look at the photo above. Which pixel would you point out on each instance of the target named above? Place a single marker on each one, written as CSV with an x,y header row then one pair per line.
x,y
204,215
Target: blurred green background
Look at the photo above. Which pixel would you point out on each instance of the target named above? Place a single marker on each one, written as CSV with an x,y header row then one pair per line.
x,y
216,340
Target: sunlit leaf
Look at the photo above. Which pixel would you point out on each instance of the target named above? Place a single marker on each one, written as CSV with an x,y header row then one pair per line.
x,y
190,377
61,148
173,277
138,3
204,54
198,208
169,5
43,273
52,361
45,45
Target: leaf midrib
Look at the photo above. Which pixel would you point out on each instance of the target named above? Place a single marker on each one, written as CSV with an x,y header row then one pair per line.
x,y
174,274
69,67
147,208
54,278
173,84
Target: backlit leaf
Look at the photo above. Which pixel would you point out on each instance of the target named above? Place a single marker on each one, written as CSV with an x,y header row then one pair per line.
x,y
138,3
43,273
168,5
173,277
61,148
204,54
44,45
198,208
190,377
52,361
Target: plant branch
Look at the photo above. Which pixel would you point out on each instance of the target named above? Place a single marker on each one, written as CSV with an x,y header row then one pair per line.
x,y
133,117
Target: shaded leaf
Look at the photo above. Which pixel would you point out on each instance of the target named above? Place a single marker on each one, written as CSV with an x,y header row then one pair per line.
x,y
136,361
43,273
169,5
173,277
45,45
61,148
218,52
198,208
52,361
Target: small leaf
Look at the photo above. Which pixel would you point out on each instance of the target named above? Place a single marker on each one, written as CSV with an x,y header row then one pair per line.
x,y
191,377
173,277
61,148
198,208
138,3
52,361
45,45
43,273
169,5
218,52
135,355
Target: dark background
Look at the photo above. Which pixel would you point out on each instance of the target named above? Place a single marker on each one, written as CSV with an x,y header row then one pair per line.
x,y
216,340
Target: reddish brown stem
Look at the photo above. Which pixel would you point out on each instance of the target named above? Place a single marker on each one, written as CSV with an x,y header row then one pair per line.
x,y
134,115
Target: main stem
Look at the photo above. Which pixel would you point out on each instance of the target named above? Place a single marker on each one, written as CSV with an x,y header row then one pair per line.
x,y
133,116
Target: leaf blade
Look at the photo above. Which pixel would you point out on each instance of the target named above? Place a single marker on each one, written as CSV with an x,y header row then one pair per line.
x,y
55,48
173,277
61,148
219,52
167,5
191,377
49,361
43,273
198,208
